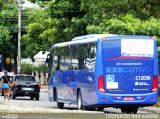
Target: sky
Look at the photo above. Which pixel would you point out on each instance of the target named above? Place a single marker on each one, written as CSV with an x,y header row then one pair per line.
x,y
29,4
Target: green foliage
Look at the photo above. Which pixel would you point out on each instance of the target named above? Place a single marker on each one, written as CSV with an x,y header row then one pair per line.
x,y
1,4
5,39
93,29
61,20
127,25
8,29
27,68
142,9
42,68
39,30
65,9
130,25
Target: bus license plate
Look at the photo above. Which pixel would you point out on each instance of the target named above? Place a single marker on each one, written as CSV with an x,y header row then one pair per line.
x,y
128,98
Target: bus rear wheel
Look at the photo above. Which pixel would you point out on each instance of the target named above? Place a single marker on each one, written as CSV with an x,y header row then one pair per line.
x,y
100,108
60,105
129,110
79,101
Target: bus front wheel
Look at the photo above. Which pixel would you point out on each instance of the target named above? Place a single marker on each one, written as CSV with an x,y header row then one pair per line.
x,y
79,101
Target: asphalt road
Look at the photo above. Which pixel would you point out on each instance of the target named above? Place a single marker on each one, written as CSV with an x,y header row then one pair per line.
x,y
44,103
73,113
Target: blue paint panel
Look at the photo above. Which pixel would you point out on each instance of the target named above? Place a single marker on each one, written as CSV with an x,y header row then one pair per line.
x,y
126,70
126,76
113,48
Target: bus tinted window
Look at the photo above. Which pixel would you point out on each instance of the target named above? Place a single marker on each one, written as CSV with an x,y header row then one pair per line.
x,y
66,59
57,58
128,47
74,52
75,57
113,48
90,57
132,47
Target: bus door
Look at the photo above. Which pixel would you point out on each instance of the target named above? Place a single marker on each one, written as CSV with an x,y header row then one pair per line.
x,y
66,81
72,86
128,66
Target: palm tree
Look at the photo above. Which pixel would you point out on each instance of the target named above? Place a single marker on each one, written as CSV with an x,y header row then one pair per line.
x,y
42,69
27,68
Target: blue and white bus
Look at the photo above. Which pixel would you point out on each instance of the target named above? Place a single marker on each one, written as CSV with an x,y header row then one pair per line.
x,y
97,71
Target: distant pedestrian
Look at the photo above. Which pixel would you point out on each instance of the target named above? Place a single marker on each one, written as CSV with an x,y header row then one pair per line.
x,y
6,85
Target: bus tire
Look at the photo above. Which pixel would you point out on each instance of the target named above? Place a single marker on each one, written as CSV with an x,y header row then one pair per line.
x,y
60,105
135,110
100,108
129,110
79,101
54,95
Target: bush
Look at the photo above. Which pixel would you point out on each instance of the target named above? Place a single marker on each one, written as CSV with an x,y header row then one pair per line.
x,y
27,68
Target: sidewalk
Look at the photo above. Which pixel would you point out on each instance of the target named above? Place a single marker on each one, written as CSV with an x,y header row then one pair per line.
x,y
37,110
44,88
5,108
151,109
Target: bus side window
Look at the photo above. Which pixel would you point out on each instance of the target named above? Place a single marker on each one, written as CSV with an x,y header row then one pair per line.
x,y
81,56
93,51
90,57
62,59
67,58
74,51
57,59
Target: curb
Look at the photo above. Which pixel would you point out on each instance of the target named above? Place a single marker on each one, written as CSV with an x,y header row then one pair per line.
x,y
151,109
38,110
35,110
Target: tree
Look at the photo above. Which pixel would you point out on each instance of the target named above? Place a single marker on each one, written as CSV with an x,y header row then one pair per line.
x,y
1,4
27,68
9,23
128,25
6,29
38,33
64,20
98,10
42,69
60,21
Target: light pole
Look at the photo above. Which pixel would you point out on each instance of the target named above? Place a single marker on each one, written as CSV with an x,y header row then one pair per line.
x,y
19,38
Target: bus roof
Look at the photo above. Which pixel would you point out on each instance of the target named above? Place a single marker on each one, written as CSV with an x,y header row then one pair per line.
x,y
94,37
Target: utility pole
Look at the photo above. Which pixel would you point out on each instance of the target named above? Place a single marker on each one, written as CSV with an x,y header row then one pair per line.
x,y
19,38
